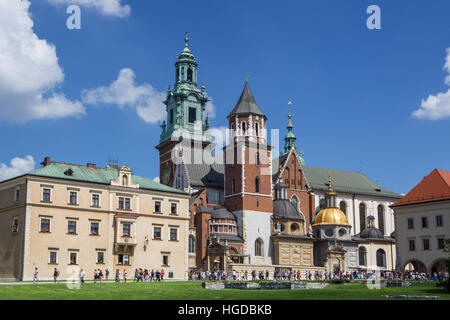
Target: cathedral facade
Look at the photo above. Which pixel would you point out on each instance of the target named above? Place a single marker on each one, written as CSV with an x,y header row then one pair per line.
x,y
256,208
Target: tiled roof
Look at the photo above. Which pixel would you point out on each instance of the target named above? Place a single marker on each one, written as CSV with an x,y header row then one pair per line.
x,y
246,104
205,175
346,182
434,187
96,175
342,181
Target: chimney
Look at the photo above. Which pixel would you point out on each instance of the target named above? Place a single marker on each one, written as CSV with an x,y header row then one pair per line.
x,y
46,161
92,165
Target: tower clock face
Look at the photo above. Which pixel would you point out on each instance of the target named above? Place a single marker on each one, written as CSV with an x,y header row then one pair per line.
x,y
165,179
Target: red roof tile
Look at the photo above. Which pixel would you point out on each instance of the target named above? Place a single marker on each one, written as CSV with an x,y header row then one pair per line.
x,y
434,187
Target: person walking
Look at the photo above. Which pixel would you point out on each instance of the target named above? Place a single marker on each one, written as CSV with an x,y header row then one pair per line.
x,y
117,279
152,275
107,274
162,274
125,274
36,275
82,276
55,275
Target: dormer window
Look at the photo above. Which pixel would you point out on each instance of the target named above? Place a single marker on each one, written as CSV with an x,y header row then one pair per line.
x,y
68,172
125,180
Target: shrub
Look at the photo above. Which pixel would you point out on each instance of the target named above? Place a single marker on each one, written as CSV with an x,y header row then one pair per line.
x,y
339,281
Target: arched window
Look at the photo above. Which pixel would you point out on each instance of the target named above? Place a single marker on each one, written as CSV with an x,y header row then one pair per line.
x,y
343,207
288,178
191,244
125,180
295,202
362,216
362,256
257,159
189,75
257,128
243,127
381,258
381,218
259,247
257,190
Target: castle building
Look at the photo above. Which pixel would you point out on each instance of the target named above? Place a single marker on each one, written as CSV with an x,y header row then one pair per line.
x,y
239,212
422,224
73,217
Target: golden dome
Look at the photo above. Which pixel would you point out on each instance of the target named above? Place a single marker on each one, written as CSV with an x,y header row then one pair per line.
x,y
330,216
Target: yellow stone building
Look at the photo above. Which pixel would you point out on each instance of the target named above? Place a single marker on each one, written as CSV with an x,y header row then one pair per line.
x,y
72,216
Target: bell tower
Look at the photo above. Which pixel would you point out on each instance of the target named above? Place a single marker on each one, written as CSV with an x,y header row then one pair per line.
x,y
248,176
185,124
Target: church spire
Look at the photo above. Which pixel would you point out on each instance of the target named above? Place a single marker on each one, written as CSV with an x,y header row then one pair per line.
x,y
290,139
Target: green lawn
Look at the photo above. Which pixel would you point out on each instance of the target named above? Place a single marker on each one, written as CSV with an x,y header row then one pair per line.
x,y
195,291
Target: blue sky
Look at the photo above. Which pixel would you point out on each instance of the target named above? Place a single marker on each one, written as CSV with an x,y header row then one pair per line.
x,y
354,90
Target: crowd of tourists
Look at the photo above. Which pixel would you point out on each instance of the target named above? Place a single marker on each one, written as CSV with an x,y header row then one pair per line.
x,y
288,275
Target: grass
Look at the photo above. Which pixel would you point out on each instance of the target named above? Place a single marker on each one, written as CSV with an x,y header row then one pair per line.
x,y
195,291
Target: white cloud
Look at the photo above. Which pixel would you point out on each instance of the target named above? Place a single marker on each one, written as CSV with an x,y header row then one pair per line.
x,y
436,107
106,7
156,179
17,167
29,70
125,92
447,67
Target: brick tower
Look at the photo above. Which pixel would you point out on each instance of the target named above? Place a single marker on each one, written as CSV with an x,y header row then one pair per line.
x,y
248,176
186,127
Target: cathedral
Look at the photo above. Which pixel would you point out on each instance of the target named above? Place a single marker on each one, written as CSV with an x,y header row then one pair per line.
x,y
256,208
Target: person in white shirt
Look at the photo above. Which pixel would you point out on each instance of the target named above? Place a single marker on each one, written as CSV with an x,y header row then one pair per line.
x,y
82,276
36,275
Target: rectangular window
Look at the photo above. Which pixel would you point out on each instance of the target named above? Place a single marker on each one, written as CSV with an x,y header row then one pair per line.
x,y
94,228
441,243
46,195
53,257
173,234
123,259
17,195
439,221
192,115
173,208
410,223
96,200
157,233
124,203
412,245
45,225
73,258
15,225
100,256
426,244
171,117
126,230
71,226
73,197
157,206
165,260
424,222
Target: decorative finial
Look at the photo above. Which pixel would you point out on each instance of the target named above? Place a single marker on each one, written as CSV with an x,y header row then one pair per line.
x,y
247,76
330,188
186,40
